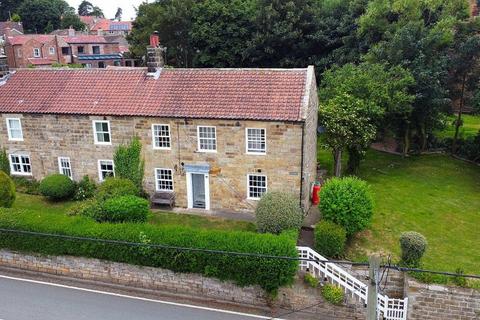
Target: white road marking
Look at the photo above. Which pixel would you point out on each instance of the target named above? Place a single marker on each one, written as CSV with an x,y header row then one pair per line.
x,y
139,298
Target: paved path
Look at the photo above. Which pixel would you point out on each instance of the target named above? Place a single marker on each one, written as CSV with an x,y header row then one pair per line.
x,y
24,299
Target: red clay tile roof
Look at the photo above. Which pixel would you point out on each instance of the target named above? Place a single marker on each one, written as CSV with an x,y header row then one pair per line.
x,y
259,94
40,61
108,25
85,39
21,39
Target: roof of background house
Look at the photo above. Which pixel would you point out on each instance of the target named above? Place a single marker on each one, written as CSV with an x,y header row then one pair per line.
x,y
21,39
109,25
10,25
86,39
257,94
40,61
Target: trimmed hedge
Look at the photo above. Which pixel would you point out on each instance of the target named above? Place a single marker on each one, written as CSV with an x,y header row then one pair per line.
x,y
269,273
333,294
348,202
7,190
413,246
57,187
277,212
330,238
116,187
123,209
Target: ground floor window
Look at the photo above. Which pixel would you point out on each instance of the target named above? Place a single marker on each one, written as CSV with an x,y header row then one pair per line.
x,y
164,179
106,169
20,164
64,166
257,186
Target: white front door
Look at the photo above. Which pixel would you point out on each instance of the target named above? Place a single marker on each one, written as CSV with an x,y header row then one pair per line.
x,y
198,190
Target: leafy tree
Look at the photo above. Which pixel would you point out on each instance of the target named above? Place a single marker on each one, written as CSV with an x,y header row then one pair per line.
x,y
4,162
86,8
464,69
219,32
173,20
40,16
9,8
348,124
16,18
385,89
70,19
118,14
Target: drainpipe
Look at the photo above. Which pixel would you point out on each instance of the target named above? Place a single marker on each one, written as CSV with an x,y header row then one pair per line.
x,y
301,166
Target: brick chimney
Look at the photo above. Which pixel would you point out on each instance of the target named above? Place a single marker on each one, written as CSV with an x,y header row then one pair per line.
x,y
71,32
155,52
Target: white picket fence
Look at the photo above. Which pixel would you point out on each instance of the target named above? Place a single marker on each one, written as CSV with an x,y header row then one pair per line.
x,y
389,309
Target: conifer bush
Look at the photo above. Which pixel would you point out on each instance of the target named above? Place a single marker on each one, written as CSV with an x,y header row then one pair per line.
x,y
7,190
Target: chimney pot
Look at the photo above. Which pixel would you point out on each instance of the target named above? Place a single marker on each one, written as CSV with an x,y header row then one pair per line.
x,y
154,40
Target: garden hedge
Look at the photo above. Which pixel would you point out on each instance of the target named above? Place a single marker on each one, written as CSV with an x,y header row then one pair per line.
x,y
269,273
57,187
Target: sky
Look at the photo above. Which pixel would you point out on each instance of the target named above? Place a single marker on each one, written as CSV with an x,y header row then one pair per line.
x,y
109,7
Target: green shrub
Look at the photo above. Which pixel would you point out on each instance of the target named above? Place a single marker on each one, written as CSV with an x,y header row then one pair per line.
x,y
413,246
28,186
7,190
269,273
123,209
311,280
278,211
330,238
116,187
88,208
333,294
348,202
4,162
57,187
459,279
86,189
128,162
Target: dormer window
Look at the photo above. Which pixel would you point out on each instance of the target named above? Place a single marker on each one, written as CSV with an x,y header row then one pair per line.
x,y
36,52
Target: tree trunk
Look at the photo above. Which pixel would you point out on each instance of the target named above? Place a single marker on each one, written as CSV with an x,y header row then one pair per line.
x,y
458,122
424,137
337,158
354,158
406,141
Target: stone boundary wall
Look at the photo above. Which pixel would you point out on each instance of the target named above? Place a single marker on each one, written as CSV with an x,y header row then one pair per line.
x,y
436,302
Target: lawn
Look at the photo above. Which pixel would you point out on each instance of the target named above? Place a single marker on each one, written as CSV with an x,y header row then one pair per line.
x,y
471,126
433,194
25,201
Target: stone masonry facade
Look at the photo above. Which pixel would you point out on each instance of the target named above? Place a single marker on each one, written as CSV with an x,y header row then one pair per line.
x,y
47,137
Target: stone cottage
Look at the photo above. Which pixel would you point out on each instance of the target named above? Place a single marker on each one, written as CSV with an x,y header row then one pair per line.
x,y
216,138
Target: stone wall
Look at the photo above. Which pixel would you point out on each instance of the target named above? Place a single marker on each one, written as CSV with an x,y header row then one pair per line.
x,y
47,137
295,298
436,302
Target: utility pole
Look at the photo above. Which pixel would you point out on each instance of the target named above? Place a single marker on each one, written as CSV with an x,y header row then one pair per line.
x,y
374,265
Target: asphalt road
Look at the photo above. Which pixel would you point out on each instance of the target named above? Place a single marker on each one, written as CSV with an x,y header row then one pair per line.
x,y
33,300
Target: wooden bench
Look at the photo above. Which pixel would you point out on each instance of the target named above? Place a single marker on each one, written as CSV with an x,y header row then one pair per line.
x,y
163,198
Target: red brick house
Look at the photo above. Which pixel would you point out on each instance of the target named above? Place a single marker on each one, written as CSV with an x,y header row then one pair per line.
x,y
102,26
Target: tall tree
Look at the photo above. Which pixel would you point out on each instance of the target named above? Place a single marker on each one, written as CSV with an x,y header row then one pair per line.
x,y
464,72
118,14
219,32
70,19
40,16
8,8
86,8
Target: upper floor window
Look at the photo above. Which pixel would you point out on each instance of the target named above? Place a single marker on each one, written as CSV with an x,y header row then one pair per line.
x,y
257,186
207,139
36,52
106,168
80,49
256,141
161,136
101,132
14,128
20,164
64,166
96,49
51,50
19,52
163,179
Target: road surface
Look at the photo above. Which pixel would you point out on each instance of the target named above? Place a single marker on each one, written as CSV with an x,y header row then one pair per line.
x,y
25,299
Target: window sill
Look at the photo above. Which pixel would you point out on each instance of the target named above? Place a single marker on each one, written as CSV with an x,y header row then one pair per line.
x,y
15,139
207,151
20,174
103,143
160,148
257,153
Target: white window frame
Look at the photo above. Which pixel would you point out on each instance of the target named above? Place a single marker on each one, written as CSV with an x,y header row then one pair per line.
x,y
51,50
95,137
22,172
100,176
257,152
154,145
198,139
10,138
248,185
19,52
157,180
61,167
36,53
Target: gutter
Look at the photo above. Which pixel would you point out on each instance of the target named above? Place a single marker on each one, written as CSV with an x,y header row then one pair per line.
x,y
301,166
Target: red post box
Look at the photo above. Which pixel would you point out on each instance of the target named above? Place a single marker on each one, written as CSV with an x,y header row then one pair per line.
x,y
316,194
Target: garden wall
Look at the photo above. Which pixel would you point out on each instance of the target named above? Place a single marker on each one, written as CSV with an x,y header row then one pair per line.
x,y
297,297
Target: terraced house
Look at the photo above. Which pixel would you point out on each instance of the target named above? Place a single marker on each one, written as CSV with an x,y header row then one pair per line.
x,y
215,138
